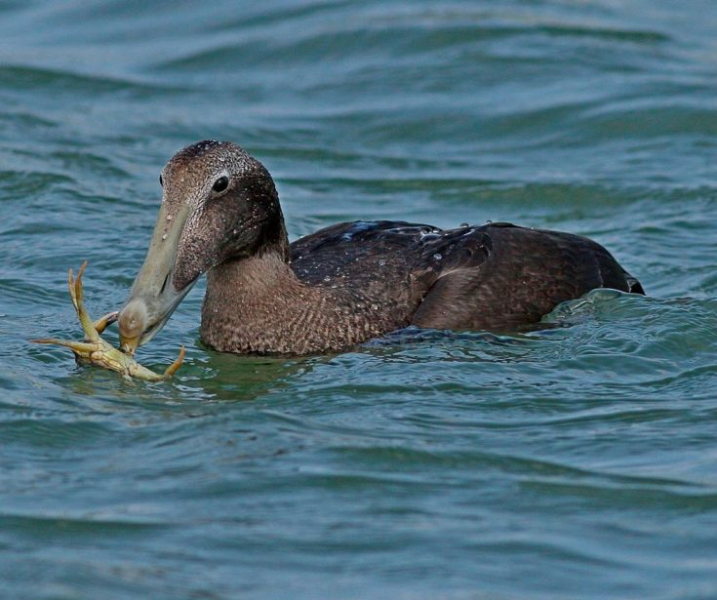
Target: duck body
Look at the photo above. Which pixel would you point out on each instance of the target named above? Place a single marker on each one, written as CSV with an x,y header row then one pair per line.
x,y
352,282
344,284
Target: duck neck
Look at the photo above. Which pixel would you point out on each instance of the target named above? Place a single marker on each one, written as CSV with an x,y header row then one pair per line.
x,y
257,305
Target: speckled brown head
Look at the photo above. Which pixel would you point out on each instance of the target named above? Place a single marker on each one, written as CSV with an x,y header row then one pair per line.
x,y
218,204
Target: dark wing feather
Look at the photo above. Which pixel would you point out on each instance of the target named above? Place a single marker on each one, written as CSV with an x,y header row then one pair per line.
x,y
526,274
496,276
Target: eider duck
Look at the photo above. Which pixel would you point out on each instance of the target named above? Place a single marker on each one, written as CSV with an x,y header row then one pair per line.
x,y
344,284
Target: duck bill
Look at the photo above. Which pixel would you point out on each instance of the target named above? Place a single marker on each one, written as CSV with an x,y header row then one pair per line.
x,y
153,297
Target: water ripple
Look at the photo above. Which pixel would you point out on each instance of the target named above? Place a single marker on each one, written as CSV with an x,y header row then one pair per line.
x,y
573,461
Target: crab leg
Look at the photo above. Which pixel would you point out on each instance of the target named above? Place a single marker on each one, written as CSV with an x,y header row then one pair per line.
x,y
172,369
103,322
81,348
75,286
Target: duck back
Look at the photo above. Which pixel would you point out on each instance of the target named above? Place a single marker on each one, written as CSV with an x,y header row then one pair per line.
x,y
497,276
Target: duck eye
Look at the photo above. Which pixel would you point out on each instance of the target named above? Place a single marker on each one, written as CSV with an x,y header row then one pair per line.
x,y
221,184
161,181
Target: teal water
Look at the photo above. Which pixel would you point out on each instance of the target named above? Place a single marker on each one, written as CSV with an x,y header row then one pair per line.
x,y
580,462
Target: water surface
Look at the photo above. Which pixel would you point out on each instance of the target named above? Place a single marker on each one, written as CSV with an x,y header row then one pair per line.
x,y
577,462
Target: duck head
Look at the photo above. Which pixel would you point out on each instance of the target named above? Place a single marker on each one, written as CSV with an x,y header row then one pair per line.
x,y
219,204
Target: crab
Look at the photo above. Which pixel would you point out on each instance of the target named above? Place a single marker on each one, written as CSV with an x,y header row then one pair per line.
x,y
96,350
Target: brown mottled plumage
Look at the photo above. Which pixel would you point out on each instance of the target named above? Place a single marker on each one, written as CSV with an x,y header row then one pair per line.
x,y
344,284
